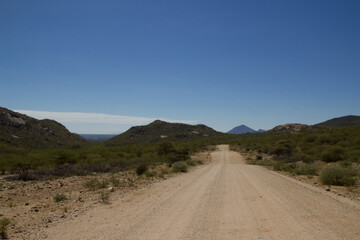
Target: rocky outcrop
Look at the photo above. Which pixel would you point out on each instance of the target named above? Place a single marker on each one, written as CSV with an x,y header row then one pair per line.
x,y
20,130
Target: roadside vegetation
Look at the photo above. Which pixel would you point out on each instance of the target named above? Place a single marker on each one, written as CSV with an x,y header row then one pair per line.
x,y
37,164
60,197
312,152
333,154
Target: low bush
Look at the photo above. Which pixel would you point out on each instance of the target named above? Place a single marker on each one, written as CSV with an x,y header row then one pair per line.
x,y
65,170
180,166
26,176
339,176
114,181
354,155
307,158
94,184
178,156
297,168
307,169
141,169
104,197
91,184
279,166
345,164
283,147
4,222
332,154
191,162
310,138
60,198
262,163
150,174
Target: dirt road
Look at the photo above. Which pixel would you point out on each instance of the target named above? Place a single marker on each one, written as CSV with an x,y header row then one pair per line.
x,y
223,200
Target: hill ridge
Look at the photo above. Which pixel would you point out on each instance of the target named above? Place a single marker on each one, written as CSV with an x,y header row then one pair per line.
x,y
160,130
21,130
348,120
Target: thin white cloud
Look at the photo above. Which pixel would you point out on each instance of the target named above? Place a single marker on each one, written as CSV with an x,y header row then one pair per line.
x,y
100,118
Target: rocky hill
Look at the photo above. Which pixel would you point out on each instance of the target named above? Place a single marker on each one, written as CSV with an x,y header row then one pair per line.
x,y
344,121
24,131
289,127
160,130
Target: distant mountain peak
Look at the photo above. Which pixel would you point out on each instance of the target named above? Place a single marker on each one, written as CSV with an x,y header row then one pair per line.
x,y
241,129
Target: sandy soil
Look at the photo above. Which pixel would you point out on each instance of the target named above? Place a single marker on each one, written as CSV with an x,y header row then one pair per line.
x,y
222,200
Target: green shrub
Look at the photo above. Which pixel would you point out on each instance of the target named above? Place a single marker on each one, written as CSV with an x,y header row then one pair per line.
x,y
139,154
60,198
180,166
114,181
104,197
278,166
165,148
310,138
4,222
286,167
307,158
177,156
141,169
91,184
49,177
332,154
283,147
150,174
307,169
354,156
264,163
200,162
339,176
324,139
345,164
65,156
190,162
94,184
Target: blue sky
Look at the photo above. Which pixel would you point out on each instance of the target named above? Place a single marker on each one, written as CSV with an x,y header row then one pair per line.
x,y
221,63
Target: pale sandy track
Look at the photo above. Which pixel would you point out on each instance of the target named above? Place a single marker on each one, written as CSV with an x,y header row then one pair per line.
x,y
223,200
